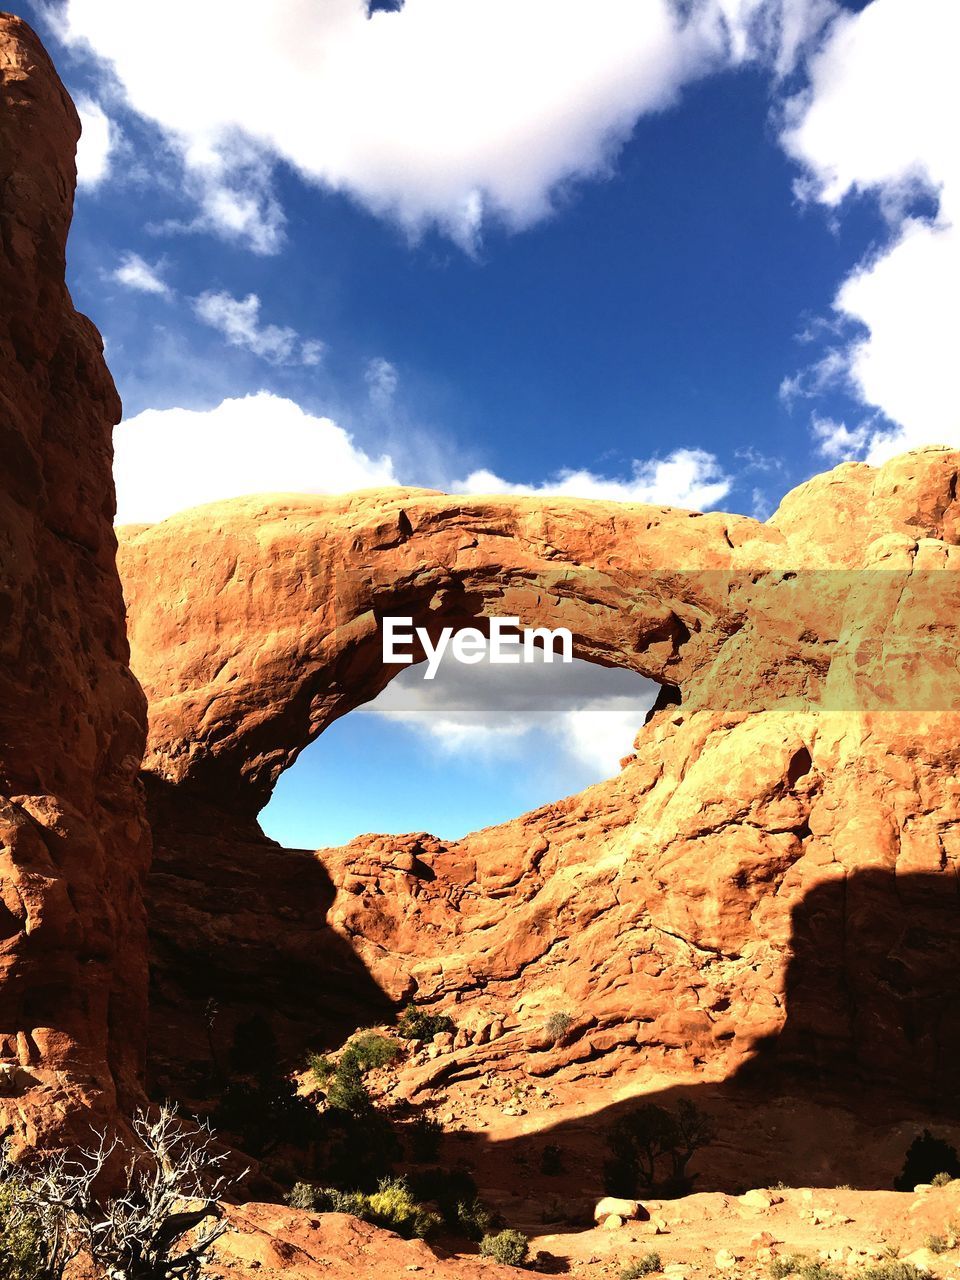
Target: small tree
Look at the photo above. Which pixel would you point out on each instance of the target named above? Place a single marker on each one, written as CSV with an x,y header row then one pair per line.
x,y
172,1186
926,1158
651,1147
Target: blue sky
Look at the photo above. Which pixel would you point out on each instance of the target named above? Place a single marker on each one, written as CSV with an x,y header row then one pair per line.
x,y
692,257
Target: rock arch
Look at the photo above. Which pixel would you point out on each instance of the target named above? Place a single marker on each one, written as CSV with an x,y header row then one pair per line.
x,y
255,623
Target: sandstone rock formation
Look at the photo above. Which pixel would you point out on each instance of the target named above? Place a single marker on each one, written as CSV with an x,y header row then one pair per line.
x,y
770,884
73,838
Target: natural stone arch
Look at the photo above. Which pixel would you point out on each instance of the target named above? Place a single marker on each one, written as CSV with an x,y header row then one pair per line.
x,y
256,623
737,805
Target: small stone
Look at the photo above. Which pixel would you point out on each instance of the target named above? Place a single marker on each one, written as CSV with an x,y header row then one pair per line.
x,y
725,1260
613,1204
758,1199
612,1222
660,1227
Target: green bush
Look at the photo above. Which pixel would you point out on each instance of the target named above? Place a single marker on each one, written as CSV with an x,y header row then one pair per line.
x,y
424,1134
454,1193
21,1243
650,1148
392,1206
262,1115
818,1271
644,1266
785,1265
370,1051
938,1244
472,1218
509,1247
894,1270
557,1026
323,1068
359,1147
347,1091
926,1158
416,1024
302,1195
941,1179
796,1264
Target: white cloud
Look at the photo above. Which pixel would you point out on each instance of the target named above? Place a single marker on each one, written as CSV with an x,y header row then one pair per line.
x,y
382,380
593,712
837,442
831,370
444,112
690,478
879,116
134,273
170,459
238,319
97,141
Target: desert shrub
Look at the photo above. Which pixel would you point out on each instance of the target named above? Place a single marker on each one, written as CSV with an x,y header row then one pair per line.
x,y
424,1134
347,1091
551,1160
785,1265
509,1247
417,1024
392,1205
454,1193
322,1067
302,1195
938,1244
926,1158
818,1271
790,1264
645,1265
557,1026
894,1269
22,1250
370,1051
265,1114
358,1148
941,1179
171,1192
650,1147
472,1219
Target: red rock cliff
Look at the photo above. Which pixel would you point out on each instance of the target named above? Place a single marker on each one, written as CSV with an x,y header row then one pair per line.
x,y
73,838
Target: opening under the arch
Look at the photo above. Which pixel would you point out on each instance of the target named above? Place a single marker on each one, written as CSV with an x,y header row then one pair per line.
x,y
475,746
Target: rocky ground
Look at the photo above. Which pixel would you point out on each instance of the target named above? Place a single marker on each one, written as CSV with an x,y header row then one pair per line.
x,y
703,1235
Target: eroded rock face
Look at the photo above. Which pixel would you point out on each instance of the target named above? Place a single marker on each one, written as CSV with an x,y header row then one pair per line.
x,y
73,838
769,885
